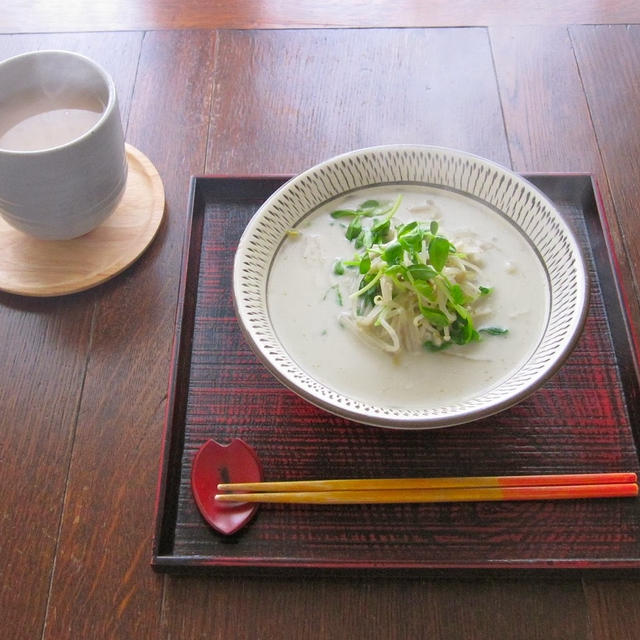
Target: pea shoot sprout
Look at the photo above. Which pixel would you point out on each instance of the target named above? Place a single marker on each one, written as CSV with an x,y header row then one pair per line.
x,y
413,288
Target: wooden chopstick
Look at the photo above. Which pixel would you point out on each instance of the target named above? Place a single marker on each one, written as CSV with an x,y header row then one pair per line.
x,y
480,494
471,489
432,483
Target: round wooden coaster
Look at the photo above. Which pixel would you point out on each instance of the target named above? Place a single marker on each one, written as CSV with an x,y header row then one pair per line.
x,y
33,267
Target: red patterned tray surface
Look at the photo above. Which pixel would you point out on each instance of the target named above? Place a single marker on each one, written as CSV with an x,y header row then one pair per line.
x,y
580,421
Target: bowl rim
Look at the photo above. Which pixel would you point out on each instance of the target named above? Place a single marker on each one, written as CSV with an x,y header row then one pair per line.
x,y
414,421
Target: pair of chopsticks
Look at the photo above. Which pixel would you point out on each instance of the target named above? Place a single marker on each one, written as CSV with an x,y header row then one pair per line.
x,y
470,489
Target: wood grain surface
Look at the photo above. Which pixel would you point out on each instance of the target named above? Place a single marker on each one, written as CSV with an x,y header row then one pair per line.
x,y
111,485
272,114
548,117
77,15
609,59
84,378
45,349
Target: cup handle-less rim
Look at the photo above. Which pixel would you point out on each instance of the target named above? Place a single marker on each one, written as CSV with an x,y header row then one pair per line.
x,y
106,113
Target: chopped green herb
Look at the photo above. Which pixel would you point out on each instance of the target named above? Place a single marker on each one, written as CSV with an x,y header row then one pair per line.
x,y
336,289
343,213
494,331
365,264
438,252
421,272
354,229
431,346
403,279
435,317
393,254
457,295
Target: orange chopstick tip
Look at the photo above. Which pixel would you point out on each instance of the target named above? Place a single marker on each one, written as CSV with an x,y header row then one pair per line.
x,y
568,478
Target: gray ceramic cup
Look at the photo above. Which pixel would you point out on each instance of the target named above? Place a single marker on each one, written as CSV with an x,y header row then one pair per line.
x,y
66,190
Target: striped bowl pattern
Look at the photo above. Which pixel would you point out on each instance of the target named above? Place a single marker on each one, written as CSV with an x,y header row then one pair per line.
x,y
474,177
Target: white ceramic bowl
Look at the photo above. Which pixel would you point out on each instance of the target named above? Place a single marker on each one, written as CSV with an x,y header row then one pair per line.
x,y
468,176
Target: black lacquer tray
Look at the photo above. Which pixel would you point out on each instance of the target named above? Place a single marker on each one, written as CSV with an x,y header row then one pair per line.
x,y
585,419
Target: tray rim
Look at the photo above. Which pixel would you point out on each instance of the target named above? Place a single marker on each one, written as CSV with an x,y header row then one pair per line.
x,y
210,565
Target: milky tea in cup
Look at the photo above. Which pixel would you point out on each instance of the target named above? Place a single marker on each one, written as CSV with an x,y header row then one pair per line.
x,y
33,120
63,166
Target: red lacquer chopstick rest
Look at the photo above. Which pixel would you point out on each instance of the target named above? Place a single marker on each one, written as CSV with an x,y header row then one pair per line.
x,y
214,464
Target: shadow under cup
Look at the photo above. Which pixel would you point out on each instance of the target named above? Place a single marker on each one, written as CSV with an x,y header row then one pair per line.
x,y
63,167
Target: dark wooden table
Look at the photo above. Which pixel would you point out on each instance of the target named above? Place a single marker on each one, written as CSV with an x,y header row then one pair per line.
x,y
83,378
